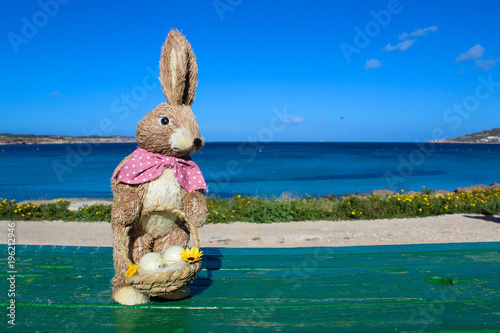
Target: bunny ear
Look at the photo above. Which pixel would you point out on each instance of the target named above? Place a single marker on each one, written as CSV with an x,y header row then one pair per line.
x,y
178,70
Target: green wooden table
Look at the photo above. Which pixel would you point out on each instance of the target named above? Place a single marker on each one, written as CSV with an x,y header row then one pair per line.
x,y
415,288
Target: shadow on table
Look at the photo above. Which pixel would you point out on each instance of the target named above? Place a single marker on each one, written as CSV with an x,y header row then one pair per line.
x,y
212,261
489,218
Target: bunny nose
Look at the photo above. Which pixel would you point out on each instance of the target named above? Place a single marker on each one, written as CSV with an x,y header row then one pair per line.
x,y
197,142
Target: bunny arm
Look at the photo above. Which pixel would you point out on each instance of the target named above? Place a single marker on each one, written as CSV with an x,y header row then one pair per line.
x,y
128,200
194,205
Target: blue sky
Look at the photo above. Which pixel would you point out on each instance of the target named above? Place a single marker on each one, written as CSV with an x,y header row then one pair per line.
x,y
268,70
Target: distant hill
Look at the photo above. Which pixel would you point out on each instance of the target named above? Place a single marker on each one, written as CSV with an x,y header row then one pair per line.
x,y
490,136
27,139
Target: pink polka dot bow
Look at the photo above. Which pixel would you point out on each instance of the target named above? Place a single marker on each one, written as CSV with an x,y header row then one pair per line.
x,y
146,166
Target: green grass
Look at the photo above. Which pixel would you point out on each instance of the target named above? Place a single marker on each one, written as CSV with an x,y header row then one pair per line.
x,y
267,210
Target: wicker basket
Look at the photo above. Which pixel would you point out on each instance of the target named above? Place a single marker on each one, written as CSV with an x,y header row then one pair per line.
x,y
162,283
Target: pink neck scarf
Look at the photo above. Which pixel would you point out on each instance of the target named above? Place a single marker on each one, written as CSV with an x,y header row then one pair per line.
x,y
146,166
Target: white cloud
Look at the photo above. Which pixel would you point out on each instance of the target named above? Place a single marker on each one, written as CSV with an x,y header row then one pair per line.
x,y
372,63
419,32
486,65
403,46
55,93
296,120
474,52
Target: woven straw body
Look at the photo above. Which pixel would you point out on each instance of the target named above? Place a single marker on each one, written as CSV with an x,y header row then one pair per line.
x,y
161,283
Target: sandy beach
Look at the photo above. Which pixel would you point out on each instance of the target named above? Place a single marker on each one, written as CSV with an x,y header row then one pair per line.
x,y
457,228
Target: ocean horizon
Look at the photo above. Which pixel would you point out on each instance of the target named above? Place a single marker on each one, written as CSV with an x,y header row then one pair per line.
x,y
293,169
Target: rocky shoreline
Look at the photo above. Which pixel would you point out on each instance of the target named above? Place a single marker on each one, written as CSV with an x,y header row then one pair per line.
x,y
386,192
31,139
489,137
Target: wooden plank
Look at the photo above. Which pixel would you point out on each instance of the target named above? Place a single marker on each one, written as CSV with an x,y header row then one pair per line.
x,y
312,289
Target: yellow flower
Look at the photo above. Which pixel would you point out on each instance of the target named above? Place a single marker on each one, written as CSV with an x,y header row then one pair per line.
x,y
132,269
191,255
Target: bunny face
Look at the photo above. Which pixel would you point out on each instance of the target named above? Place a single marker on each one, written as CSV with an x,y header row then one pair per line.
x,y
170,130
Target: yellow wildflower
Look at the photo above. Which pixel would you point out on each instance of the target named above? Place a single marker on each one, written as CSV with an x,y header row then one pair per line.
x,y
132,269
191,255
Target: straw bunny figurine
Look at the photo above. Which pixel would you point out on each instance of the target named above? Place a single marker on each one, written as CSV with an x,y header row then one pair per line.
x,y
160,171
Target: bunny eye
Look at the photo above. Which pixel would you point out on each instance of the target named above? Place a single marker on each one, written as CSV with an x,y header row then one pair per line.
x,y
164,121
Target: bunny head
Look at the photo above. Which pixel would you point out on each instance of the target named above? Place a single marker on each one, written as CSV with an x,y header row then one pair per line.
x,y
171,129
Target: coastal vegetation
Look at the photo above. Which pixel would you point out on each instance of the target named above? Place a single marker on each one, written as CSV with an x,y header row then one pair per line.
x,y
267,210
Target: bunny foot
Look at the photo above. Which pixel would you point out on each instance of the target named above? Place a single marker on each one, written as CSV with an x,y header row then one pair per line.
x,y
129,296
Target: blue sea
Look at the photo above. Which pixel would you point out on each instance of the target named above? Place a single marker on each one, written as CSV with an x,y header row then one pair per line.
x,y
31,172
